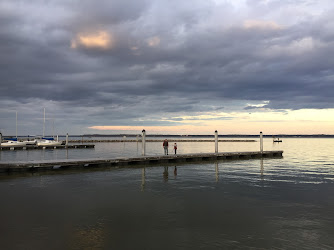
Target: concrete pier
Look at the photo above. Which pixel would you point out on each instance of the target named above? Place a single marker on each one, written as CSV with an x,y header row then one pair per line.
x,y
141,160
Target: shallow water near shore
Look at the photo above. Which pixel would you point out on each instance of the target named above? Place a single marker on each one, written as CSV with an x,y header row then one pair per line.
x,y
259,203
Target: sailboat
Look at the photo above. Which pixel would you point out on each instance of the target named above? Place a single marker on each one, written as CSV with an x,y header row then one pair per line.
x,y
13,142
47,141
44,141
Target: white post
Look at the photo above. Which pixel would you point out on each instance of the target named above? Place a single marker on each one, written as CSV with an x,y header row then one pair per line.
x,y
57,138
143,142
216,141
0,140
66,140
261,142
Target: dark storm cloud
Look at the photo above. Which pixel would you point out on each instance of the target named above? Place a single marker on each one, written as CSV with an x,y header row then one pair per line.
x,y
165,58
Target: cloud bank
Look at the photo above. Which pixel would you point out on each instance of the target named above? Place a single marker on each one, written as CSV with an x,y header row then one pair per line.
x,y
150,63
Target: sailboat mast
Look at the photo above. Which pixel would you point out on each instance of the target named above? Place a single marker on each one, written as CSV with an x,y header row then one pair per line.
x,y
44,124
16,124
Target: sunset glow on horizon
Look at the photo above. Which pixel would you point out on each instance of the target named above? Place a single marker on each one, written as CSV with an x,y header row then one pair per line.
x,y
243,123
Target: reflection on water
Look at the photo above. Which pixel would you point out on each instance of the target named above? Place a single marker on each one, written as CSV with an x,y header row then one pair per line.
x,y
165,174
279,203
143,179
92,237
107,208
261,164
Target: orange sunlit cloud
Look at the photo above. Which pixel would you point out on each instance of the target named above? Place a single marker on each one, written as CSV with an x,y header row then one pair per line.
x,y
100,40
153,41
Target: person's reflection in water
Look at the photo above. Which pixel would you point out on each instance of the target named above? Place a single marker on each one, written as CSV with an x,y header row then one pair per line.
x,y
165,174
143,179
175,172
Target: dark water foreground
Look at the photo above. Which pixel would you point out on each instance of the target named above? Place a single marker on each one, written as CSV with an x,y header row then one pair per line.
x,y
259,203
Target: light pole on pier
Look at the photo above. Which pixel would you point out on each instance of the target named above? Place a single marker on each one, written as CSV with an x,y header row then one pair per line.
x,y
216,141
143,142
261,142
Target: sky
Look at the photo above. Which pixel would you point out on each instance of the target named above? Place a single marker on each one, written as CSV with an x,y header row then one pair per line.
x,y
169,67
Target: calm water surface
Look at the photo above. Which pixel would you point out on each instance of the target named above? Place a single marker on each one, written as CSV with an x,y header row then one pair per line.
x,y
280,203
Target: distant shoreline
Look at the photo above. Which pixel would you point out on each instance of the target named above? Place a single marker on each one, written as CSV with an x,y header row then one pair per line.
x,y
208,136
171,140
177,136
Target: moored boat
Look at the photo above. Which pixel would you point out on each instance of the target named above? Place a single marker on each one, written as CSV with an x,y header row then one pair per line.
x,y
48,142
276,139
30,143
12,143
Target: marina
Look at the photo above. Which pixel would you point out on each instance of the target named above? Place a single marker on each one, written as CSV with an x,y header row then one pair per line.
x,y
32,147
39,143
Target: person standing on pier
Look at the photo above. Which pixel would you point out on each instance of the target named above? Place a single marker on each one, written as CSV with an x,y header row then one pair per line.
x,y
165,146
175,147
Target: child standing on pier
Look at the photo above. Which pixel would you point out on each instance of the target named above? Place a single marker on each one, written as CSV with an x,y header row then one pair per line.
x,y
175,147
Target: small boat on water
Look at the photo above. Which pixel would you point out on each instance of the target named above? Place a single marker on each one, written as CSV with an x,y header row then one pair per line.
x,y
276,139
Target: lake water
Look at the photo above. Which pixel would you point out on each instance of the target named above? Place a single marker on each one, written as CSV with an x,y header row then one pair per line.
x,y
279,203
133,149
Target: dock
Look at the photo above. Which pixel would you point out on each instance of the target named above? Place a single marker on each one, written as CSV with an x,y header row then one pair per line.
x,y
129,162
32,147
